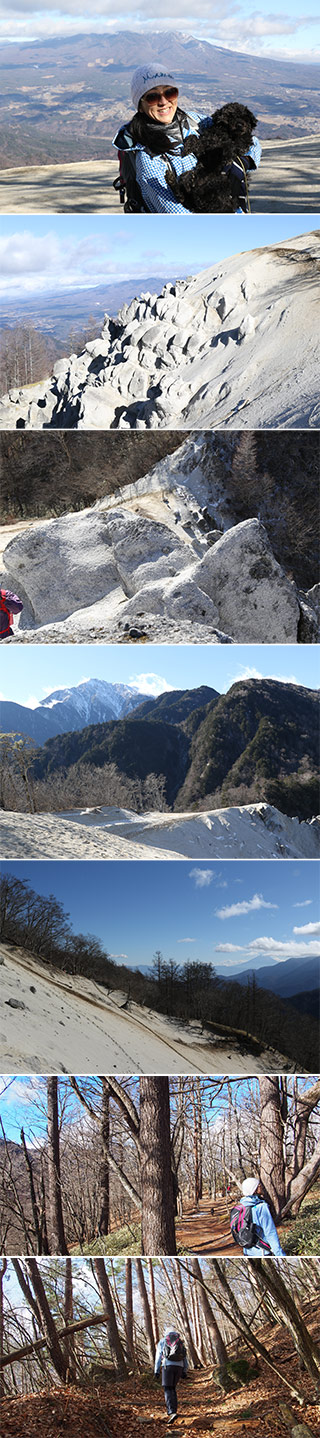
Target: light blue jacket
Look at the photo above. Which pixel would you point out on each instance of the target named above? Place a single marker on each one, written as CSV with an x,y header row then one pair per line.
x,y
266,1229
183,1363
150,170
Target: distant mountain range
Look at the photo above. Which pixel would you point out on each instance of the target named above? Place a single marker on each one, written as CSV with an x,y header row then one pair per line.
x,y
92,702
57,315
284,979
260,741
124,50
63,99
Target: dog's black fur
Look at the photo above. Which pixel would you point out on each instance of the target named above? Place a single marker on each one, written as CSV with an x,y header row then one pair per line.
x,y
228,138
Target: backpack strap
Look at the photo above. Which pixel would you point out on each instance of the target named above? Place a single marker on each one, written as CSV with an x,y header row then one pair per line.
x,y
119,183
5,610
244,172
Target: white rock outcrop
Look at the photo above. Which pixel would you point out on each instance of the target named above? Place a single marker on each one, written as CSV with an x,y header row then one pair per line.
x,y
248,587
116,568
222,348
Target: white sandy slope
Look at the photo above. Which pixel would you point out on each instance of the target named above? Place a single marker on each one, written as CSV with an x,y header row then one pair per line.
x,y
249,832
237,346
286,182
71,1024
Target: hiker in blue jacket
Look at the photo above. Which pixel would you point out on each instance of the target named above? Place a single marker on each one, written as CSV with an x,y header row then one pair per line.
x,y
154,139
171,1361
267,1237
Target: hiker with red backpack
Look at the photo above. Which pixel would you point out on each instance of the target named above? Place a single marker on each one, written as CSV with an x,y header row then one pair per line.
x,y
171,1361
10,604
251,1223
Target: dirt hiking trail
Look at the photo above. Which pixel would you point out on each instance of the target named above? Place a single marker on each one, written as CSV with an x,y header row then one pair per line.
x,y
129,1409
198,1231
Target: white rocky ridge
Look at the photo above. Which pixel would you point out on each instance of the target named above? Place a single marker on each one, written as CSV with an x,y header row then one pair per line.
x,y
157,560
251,831
103,1030
236,344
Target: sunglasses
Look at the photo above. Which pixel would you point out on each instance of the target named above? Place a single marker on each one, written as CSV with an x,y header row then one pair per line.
x,y
154,95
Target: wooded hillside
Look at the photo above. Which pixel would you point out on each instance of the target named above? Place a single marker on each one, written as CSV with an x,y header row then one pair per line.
x,y
78,1344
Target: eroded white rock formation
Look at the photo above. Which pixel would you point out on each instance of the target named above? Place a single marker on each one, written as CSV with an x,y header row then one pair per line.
x,y
162,559
222,348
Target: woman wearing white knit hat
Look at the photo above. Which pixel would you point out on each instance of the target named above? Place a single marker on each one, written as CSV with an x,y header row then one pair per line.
x,y
152,142
251,1223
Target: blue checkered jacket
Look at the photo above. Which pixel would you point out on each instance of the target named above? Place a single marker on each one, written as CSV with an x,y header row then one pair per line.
x,y
149,171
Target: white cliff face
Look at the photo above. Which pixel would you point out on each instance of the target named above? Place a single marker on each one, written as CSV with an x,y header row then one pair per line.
x,y
162,559
236,345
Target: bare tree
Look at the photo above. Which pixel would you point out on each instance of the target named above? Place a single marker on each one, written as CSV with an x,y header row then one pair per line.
x,y
114,1340
55,1213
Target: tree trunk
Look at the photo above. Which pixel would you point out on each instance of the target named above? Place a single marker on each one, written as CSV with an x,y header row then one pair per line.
x,y
57,1355
114,1340
34,1204
104,1218
57,1239
129,1312
181,1299
68,1318
3,1266
157,1226
268,1279
146,1310
153,1302
301,1184
272,1170
305,1103
219,1346
233,1310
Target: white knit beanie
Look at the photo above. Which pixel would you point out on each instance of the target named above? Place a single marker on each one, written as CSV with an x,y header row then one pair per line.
x,y
249,1187
146,77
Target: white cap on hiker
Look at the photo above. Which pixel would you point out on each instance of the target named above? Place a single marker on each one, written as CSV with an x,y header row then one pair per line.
x,y
250,1186
148,77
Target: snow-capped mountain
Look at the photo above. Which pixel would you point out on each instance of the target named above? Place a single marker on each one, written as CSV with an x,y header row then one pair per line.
x,y
220,349
92,702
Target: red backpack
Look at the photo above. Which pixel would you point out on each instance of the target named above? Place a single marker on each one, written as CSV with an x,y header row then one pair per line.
x,y
5,610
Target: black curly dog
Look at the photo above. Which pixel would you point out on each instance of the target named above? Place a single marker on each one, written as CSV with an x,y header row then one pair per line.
x,y
217,182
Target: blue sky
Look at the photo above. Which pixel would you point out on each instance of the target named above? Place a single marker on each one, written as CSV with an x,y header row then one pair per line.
x,y
30,673
48,254
234,913
23,1102
284,34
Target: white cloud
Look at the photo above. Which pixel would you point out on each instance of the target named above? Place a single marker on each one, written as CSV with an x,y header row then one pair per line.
x,y
304,904
308,929
186,941
32,701
230,963
46,264
247,671
151,684
202,877
281,951
246,906
21,1090
222,23
228,949
118,956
